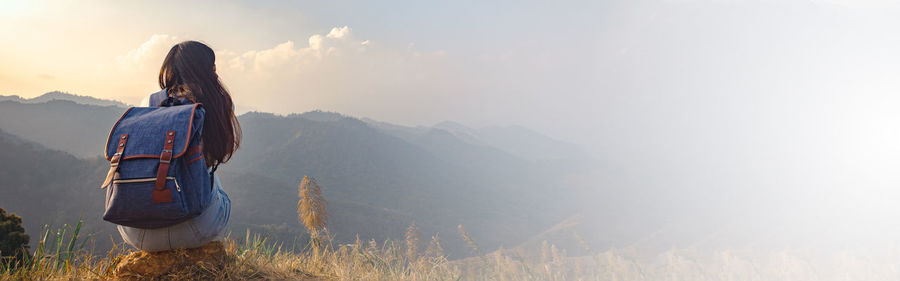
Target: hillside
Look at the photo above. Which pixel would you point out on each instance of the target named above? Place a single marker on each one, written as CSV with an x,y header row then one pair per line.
x,y
376,183
439,182
51,187
78,129
514,140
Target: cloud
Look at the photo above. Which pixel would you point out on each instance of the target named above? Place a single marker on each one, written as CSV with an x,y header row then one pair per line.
x,y
339,32
333,70
149,53
288,55
259,60
315,42
338,71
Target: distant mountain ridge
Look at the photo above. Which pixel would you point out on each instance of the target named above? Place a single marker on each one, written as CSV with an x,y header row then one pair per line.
x,y
79,129
377,181
509,139
515,140
57,95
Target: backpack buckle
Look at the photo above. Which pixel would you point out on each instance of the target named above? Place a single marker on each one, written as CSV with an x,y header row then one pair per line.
x,y
114,162
162,194
166,156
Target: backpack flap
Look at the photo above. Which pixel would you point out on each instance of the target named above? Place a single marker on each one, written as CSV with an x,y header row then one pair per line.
x,y
148,138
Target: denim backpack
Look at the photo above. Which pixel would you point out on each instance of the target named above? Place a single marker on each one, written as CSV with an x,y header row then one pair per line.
x,y
157,175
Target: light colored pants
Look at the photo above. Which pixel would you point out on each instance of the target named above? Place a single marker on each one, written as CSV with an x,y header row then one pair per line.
x,y
192,233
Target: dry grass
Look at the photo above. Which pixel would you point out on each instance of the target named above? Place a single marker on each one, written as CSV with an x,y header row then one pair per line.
x,y
257,258
60,255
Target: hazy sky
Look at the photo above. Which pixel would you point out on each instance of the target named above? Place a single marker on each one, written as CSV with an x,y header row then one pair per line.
x,y
700,79
568,68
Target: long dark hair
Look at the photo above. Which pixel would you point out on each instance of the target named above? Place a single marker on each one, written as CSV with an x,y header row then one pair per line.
x,y
189,71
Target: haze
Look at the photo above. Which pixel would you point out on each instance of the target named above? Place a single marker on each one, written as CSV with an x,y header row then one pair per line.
x,y
760,109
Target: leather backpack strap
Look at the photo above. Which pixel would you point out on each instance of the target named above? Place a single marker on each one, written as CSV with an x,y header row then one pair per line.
x,y
161,194
114,162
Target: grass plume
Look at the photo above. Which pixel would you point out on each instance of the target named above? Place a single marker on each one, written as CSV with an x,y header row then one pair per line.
x,y
412,242
311,206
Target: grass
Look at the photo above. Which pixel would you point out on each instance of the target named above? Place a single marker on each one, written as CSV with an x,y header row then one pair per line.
x,y
62,254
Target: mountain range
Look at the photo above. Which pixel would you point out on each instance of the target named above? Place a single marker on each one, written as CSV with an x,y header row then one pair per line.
x,y
508,186
57,95
377,177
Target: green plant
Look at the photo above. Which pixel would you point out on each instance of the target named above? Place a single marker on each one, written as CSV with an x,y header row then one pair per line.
x,y
13,240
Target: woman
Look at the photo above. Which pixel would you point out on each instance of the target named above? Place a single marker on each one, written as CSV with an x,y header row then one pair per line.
x,y
188,74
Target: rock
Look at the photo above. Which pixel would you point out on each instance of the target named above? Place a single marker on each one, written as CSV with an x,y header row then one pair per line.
x,y
140,265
